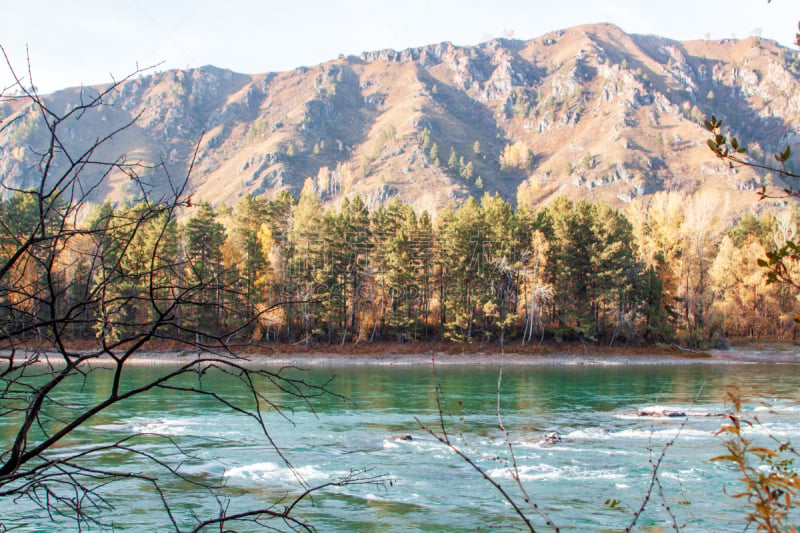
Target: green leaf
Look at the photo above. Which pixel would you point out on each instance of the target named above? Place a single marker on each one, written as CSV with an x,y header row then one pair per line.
x,y
782,158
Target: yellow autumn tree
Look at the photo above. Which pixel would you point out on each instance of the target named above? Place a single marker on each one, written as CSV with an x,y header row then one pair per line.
x,y
744,304
516,155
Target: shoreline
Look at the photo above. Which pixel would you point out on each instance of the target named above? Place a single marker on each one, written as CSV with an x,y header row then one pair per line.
x,y
316,359
387,355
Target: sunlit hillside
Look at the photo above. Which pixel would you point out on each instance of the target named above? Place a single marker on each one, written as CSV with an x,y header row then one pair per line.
x,y
585,112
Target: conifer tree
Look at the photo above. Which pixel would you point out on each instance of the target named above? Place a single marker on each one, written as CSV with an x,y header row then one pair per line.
x,y
386,222
204,239
355,231
467,171
462,269
503,250
251,214
452,159
571,268
401,279
616,270
305,254
423,244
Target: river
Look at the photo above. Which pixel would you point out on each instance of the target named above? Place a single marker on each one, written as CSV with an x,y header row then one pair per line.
x,y
606,451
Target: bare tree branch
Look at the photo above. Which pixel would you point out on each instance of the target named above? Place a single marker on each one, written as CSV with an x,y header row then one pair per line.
x,y
81,294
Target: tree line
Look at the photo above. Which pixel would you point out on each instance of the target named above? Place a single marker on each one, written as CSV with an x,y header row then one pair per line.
x,y
294,271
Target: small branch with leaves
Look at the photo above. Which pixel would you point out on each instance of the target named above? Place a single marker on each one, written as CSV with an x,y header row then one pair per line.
x,y
768,474
782,263
729,149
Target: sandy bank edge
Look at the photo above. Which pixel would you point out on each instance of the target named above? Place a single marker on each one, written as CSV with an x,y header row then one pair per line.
x,y
714,357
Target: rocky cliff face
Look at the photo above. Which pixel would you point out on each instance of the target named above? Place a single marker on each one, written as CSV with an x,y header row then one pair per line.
x,y
588,112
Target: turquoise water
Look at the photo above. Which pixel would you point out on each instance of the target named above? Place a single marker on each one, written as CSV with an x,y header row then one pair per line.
x,y
605,452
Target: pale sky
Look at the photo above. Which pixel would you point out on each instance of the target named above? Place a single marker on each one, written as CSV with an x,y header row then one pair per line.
x,y
87,41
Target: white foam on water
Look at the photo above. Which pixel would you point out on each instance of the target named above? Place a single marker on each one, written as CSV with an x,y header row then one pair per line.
x,y
567,445
546,472
175,427
661,434
214,468
774,429
596,451
691,474
268,471
410,499
656,412
588,434
528,444
528,473
779,406
160,426
654,407
426,446
646,433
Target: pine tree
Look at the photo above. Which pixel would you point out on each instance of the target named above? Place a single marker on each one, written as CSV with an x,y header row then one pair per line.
x,y
355,230
423,244
571,269
401,276
204,239
462,269
452,159
251,214
503,249
304,256
386,223
616,269
424,138
467,171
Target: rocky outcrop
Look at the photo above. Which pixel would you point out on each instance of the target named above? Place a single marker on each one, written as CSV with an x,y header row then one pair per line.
x,y
588,111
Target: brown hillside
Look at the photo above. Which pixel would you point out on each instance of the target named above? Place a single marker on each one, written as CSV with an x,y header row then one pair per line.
x,y
586,112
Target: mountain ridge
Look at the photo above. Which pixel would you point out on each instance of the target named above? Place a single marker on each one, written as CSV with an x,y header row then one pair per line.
x,y
589,112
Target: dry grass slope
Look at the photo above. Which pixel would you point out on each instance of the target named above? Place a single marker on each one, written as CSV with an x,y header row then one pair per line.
x,y
588,112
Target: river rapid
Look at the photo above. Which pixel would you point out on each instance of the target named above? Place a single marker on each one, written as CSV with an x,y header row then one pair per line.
x,y
605,450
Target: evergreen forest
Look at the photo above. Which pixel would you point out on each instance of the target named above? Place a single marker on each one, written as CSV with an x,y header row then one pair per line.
x,y
294,271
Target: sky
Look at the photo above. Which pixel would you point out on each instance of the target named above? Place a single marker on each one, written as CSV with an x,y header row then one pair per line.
x,y
87,42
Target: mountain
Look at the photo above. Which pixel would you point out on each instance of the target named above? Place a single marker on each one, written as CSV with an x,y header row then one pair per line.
x,y
587,112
